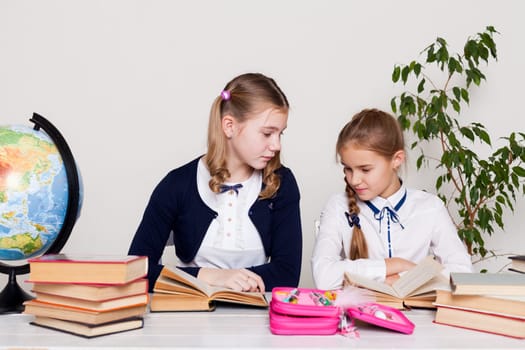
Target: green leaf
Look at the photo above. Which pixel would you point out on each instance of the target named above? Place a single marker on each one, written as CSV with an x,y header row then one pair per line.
x,y
393,105
396,73
465,95
519,171
421,86
456,106
467,133
417,69
404,74
457,93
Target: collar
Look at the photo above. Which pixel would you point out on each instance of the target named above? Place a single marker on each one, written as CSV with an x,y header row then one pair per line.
x,y
392,201
210,198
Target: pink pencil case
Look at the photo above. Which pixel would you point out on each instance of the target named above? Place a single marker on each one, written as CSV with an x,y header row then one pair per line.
x,y
305,311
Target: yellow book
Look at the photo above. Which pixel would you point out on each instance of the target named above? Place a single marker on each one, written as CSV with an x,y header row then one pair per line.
x,y
415,288
63,268
176,290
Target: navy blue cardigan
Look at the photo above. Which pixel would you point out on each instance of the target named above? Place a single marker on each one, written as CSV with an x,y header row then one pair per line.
x,y
175,205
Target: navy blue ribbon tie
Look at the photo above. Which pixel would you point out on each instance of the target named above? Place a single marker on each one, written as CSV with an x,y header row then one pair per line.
x,y
391,215
226,188
353,219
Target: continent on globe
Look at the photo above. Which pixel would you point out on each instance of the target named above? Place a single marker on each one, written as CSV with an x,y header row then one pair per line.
x,y
23,241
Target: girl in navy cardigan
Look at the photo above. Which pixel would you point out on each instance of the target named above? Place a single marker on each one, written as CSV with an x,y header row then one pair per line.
x,y
234,212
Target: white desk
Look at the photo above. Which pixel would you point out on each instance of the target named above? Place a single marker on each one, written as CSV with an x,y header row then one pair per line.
x,y
241,327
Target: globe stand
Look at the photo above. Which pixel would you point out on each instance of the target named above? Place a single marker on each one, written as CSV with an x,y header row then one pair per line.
x,y
12,296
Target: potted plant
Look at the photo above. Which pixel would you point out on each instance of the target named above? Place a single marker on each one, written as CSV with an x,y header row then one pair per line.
x,y
476,190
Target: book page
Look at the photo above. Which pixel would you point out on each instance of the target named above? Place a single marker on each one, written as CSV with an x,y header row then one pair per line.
x,y
417,276
183,281
361,281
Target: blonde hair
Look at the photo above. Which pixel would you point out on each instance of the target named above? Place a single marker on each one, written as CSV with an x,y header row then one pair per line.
x,y
241,97
376,131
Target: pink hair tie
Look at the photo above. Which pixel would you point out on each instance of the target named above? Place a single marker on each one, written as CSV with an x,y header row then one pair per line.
x,y
225,95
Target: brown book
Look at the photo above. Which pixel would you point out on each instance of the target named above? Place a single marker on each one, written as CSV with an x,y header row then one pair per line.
x,y
487,283
415,288
38,308
507,305
517,263
90,305
88,330
176,290
481,321
62,268
93,292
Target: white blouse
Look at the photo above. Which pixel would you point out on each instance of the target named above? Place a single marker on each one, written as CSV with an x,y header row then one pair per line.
x,y
232,241
420,227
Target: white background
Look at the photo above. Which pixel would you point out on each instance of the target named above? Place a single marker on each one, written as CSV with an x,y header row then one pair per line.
x,y
129,84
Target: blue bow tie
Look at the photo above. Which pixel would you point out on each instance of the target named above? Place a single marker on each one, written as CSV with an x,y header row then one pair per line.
x,y
380,214
391,215
226,188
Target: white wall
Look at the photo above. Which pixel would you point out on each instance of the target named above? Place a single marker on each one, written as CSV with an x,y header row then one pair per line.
x,y
129,83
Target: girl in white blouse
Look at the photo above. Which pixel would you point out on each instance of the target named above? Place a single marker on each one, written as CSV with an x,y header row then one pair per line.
x,y
379,228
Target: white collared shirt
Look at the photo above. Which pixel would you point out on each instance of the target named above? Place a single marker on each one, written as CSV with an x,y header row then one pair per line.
x,y
424,228
232,241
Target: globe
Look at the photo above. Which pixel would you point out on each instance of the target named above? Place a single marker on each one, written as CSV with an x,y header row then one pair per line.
x,y
40,200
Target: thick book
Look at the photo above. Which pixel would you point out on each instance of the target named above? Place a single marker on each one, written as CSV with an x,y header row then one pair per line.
x,y
176,290
87,330
487,283
62,268
481,321
505,305
415,288
517,263
93,292
38,308
90,305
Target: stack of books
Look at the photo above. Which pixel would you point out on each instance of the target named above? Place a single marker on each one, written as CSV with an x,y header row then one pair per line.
x,y
488,302
517,263
88,296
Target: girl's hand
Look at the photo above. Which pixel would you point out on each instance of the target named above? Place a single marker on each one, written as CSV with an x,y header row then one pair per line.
x,y
390,279
237,279
397,265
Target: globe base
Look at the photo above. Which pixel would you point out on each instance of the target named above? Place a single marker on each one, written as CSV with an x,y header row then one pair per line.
x,y
12,296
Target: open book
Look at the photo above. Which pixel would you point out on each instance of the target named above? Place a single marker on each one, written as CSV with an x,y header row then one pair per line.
x,y
415,288
176,290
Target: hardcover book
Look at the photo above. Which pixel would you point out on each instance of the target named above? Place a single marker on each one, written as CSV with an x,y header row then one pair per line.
x,y
517,263
176,290
62,268
90,305
415,288
38,308
481,321
87,330
93,292
487,283
505,305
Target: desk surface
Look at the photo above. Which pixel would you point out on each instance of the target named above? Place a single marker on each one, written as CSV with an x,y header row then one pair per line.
x,y
242,327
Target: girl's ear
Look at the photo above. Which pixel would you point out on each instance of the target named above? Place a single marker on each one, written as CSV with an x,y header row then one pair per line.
x,y
397,159
227,123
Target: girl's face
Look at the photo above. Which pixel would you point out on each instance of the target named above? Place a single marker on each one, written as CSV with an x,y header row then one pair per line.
x,y
369,173
254,142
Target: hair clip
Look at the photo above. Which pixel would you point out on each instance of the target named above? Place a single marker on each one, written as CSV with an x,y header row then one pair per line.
x,y
353,219
225,95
